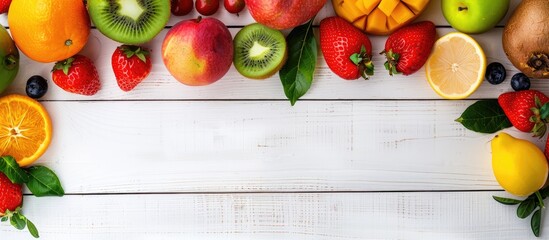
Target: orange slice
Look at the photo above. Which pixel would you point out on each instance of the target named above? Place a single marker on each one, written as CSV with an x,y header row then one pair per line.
x,y
25,129
456,66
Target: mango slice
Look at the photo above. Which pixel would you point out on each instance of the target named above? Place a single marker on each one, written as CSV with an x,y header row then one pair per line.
x,y
387,6
377,22
379,17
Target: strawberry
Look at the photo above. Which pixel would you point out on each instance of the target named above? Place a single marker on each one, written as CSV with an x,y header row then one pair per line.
x,y
76,74
4,6
526,110
131,64
347,51
11,195
408,48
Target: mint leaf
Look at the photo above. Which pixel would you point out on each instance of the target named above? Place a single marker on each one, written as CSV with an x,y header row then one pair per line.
x,y
506,201
526,208
18,221
44,182
484,116
297,74
32,229
11,169
535,222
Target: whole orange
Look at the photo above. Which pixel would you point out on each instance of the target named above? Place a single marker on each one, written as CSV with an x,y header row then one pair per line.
x,y
49,30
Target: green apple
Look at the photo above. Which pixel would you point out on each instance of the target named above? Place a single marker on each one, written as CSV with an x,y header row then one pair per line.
x,y
474,16
9,59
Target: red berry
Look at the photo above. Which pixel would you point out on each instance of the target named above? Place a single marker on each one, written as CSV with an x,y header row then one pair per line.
x,y
131,64
347,50
408,48
234,6
181,7
207,7
524,111
4,6
77,74
11,195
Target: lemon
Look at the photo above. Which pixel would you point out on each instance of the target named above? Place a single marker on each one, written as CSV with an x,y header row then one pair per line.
x,y
520,166
456,66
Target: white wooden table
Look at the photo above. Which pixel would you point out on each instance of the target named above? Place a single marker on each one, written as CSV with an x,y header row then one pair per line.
x,y
377,159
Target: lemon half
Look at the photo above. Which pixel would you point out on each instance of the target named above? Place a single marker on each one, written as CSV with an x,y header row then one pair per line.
x,y
456,66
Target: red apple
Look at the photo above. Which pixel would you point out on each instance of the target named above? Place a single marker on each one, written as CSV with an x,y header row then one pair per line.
x,y
198,52
283,14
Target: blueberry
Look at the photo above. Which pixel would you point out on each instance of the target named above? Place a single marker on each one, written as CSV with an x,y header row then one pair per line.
x,y
37,86
495,73
520,81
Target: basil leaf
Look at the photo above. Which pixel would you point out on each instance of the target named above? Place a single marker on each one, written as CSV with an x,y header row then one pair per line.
x,y
11,169
18,221
4,219
297,74
44,182
32,229
484,116
535,222
526,208
506,201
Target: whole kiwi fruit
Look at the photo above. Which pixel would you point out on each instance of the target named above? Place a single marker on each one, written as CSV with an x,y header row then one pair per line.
x,y
526,38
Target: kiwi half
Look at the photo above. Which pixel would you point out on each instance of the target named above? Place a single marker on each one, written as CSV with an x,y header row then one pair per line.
x,y
129,21
259,51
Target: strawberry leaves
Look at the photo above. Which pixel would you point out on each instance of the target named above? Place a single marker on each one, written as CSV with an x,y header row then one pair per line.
x,y
40,180
131,50
391,63
19,221
364,63
64,65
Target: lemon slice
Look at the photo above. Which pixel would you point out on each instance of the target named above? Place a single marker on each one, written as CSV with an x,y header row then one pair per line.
x,y
456,66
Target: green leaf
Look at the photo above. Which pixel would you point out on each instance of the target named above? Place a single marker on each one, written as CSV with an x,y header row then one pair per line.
x,y
4,219
11,169
544,111
535,222
506,201
18,221
484,116
526,208
32,229
44,182
297,74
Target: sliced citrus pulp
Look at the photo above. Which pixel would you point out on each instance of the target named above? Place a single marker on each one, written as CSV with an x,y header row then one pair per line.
x,y
25,129
456,66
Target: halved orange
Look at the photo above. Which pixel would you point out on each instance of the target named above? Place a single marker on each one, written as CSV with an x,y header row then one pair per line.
x,y
25,129
456,66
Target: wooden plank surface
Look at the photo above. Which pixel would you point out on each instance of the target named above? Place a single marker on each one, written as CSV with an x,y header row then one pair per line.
x,y
217,146
233,160
317,216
